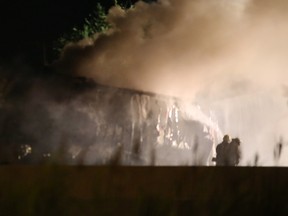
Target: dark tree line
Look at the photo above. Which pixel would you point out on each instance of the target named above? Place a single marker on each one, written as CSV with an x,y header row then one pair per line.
x,y
95,22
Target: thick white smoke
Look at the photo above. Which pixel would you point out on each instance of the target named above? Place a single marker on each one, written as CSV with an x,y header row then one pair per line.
x,y
166,47
228,56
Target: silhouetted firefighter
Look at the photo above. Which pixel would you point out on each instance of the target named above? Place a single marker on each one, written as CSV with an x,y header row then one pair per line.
x,y
235,153
228,153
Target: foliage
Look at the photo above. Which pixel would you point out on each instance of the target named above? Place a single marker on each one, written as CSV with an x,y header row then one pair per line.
x,y
94,23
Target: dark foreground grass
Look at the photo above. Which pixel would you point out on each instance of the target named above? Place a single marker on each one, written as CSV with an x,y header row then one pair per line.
x,y
84,190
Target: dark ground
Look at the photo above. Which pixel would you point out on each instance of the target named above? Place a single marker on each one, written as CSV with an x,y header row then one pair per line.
x,y
72,190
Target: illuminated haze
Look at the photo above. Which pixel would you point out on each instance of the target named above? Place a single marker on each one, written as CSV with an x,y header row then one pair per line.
x,y
229,56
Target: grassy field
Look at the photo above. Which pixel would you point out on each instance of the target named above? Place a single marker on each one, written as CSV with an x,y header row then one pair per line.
x,y
84,190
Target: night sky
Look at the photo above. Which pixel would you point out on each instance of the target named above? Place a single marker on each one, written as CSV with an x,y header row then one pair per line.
x,y
28,26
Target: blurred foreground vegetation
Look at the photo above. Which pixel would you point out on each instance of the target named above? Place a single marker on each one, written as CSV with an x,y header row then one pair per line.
x,y
72,190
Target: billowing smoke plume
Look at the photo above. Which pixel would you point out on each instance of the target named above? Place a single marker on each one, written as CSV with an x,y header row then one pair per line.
x,y
180,47
228,56
153,47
